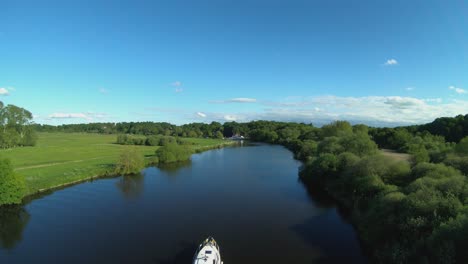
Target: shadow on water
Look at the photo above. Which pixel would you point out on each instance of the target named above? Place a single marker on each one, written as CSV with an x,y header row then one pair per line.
x,y
318,196
181,257
13,220
131,186
331,237
321,199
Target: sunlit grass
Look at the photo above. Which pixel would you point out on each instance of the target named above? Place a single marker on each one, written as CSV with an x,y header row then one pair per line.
x,y
61,158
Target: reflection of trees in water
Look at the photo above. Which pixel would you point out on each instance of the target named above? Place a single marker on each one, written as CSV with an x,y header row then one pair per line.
x,y
322,199
318,195
172,168
131,186
185,255
13,220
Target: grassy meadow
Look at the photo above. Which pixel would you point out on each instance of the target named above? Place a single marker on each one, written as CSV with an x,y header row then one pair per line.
x,y
63,158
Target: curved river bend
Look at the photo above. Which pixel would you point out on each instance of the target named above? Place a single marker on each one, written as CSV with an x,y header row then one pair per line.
x,y
248,198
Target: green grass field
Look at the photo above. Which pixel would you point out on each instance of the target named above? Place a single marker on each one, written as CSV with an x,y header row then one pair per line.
x,y
62,158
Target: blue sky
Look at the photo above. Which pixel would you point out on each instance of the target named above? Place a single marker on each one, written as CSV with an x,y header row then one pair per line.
x,y
376,62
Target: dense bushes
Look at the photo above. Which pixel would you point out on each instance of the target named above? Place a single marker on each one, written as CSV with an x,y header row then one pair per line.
x,y
157,140
173,153
405,214
12,186
130,162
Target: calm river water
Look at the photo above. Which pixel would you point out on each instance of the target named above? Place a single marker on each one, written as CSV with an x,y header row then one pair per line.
x,y
248,198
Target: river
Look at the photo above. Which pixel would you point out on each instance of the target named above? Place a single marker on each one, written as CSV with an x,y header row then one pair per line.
x,y
248,198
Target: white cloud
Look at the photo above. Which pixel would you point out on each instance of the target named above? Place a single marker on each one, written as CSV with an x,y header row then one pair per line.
x,y
458,90
236,100
403,102
4,91
371,110
179,90
200,114
176,84
391,62
409,88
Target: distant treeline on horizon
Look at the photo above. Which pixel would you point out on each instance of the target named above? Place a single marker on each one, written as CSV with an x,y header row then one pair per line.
x,y
453,129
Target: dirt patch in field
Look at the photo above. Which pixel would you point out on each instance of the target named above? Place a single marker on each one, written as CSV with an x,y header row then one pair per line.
x,y
395,155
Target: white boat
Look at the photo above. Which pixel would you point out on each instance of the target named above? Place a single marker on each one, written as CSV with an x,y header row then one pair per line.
x,y
237,137
208,253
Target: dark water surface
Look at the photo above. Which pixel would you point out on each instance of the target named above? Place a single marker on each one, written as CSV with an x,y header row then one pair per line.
x,y
248,198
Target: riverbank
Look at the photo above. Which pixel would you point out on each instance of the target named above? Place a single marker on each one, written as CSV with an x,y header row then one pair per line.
x,y
62,159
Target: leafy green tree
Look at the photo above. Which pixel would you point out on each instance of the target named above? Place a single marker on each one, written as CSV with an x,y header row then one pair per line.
x,y
346,160
15,122
418,150
358,143
306,150
326,165
130,162
462,147
457,162
219,135
173,153
287,134
361,129
330,145
449,242
152,141
12,186
336,128
399,139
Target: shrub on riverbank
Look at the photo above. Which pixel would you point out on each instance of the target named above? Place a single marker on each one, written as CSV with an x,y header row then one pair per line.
x,y
12,186
173,153
130,161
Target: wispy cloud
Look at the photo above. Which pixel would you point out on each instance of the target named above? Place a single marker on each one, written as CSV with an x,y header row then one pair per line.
x,y
200,114
458,90
176,84
6,90
68,115
230,118
103,90
410,88
235,100
88,116
391,62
